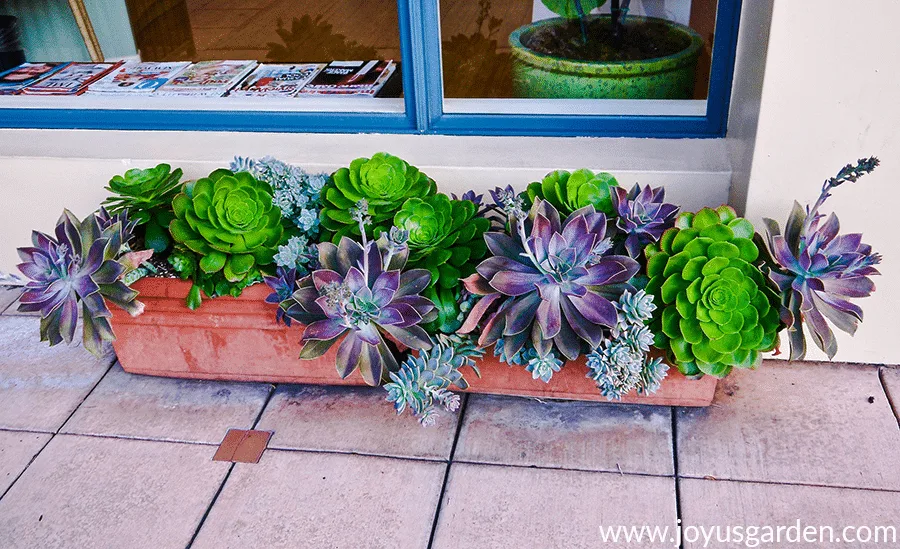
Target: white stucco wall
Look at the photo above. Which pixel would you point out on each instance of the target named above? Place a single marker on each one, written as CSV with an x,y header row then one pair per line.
x,y
830,96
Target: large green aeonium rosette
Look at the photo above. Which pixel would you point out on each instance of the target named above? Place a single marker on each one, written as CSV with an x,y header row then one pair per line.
x,y
228,220
716,310
569,192
445,237
384,181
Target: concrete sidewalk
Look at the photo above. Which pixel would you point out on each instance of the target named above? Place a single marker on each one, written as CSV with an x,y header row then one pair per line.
x,y
93,457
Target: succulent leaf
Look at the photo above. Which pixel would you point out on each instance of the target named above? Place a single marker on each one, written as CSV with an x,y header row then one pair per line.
x,y
817,271
147,196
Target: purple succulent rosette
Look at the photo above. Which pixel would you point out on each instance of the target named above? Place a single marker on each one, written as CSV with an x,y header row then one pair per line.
x,y
552,284
82,266
642,216
282,285
818,270
362,295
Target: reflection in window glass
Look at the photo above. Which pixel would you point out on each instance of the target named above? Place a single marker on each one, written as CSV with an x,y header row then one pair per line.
x,y
530,49
265,31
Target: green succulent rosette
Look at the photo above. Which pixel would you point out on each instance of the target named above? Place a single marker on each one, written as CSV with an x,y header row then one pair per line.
x,y
147,195
445,237
229,221
715,310
569,192
384,181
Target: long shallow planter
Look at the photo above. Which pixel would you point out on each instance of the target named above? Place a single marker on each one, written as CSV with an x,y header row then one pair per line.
x,y
237,339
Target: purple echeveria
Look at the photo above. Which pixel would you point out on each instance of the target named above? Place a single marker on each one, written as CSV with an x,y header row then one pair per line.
x,y
471,197
551,285
818,271
362,294
83,265
283,285
642,215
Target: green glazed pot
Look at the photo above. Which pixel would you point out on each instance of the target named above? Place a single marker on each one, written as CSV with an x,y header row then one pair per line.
x,y
547,76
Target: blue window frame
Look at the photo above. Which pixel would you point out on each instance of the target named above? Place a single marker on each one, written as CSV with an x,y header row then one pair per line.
x,y
423,100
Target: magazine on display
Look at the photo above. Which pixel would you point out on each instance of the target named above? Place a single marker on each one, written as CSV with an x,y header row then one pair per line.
x,y
351,78
26,74
137,78
72,79
206,79
277,80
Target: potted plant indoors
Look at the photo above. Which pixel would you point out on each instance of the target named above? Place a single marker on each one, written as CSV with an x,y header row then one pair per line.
x,y
580,55
572,288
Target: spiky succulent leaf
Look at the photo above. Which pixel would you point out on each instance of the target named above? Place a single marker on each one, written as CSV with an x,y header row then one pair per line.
x,y
715,308
81,266
569,192
818,271
384,181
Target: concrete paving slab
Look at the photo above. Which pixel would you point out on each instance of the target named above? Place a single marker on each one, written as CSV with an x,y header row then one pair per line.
x,y
110,493
826,424
160,408
716,508
567,435
309,499
490,506
352,419
17,448
40,385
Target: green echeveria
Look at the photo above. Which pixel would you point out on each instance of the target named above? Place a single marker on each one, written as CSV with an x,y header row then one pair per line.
x,y
384,181
227,219
569,192
445,237
715,310
147,195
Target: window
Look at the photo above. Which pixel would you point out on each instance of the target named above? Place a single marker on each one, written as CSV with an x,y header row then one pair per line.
x,y
486,67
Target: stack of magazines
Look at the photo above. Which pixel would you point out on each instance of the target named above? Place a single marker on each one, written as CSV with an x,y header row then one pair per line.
x,y
277,80
15,80
206,79
364,78
72,79
135,78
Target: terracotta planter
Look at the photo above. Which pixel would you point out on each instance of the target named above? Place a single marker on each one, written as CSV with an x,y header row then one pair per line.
x,y
238,339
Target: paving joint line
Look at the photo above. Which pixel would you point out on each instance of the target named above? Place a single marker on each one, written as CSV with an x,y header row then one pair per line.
x,y
573,469
678,510
711,478
440,501
215,497
53,434
894,406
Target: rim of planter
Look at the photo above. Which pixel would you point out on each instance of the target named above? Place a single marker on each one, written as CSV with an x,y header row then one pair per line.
x,y
604,68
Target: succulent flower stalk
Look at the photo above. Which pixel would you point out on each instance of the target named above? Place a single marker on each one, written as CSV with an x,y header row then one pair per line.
x,y
818,271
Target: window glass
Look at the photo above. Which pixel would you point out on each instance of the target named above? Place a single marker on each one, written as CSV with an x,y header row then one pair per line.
x,y
264,31
522,56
